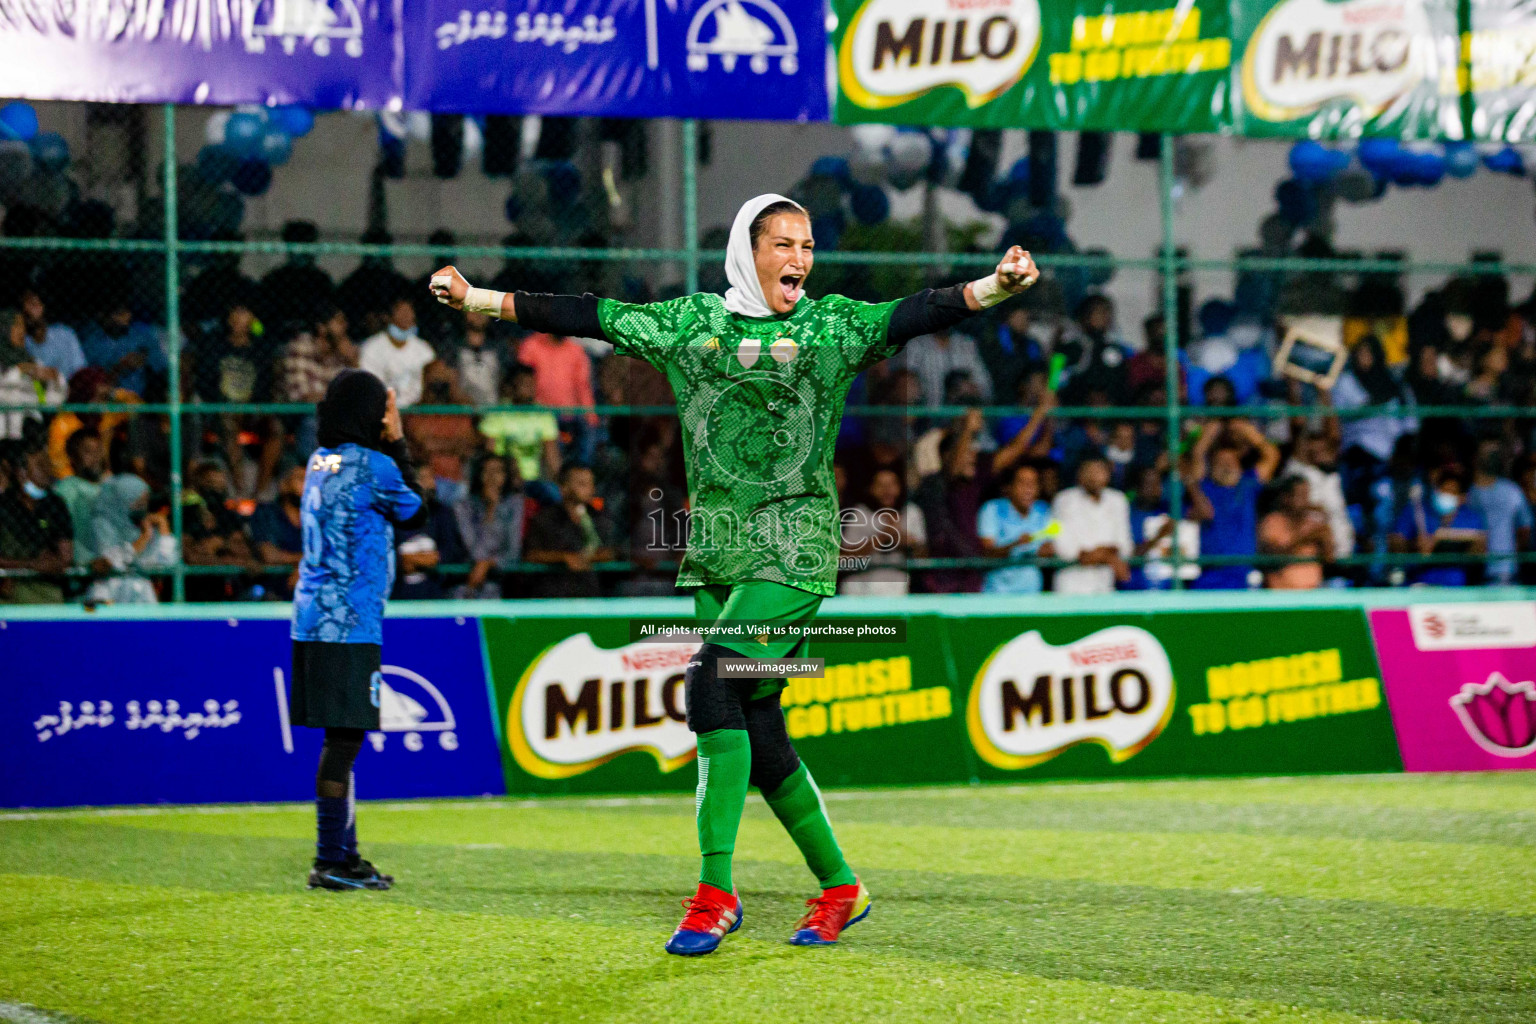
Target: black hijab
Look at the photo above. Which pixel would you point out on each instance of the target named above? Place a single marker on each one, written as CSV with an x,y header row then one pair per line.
x,y
1378,381
353,410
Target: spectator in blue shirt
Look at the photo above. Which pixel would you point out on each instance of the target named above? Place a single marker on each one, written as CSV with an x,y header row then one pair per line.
x,y
1011,528
53,346
276,530
1441,522
1505,509
1230,524
128,350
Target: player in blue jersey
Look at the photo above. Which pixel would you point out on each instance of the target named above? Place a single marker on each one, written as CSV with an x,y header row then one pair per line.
x,y
357,488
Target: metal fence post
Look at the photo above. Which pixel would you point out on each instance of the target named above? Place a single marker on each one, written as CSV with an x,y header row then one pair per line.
x,y
1165,183
690,206
173,345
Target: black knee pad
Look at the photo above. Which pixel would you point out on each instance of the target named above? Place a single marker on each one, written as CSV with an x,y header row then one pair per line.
x,y
712,703
340,751
773,756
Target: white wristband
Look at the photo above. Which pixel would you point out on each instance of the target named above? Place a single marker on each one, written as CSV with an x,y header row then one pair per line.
x,y
484,300
988,292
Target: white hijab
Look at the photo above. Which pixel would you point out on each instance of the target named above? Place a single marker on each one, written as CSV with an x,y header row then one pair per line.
x,y
745,296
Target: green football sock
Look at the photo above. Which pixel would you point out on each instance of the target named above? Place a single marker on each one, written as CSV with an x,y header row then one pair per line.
x,y
725,763
797,803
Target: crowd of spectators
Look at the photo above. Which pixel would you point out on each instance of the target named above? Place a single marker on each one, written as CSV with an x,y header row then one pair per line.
x,y
537,493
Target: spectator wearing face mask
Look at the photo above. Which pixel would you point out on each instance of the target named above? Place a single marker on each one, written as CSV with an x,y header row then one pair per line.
x,y
36,533
397,355
1505,510
1441,522
277,532
127,349
1229,513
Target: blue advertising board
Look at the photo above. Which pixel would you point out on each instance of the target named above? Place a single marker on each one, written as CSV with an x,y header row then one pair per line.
x,y
196,711
762,59
330,54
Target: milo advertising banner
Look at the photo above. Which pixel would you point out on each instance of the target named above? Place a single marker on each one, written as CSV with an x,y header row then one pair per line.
x,y
1191,693
1344,68
1499,58
1129,65
582,705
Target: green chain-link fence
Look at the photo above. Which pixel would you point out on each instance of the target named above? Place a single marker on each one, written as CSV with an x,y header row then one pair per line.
x,y
238,397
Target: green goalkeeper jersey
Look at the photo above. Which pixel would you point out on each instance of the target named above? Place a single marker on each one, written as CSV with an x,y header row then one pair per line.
x,y
760,402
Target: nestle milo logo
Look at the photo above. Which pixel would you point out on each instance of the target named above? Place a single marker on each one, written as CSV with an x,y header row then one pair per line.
x,y
896,50
578,706
1032,700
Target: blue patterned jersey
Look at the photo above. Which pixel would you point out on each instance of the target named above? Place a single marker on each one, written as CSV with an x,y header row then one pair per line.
x,y
352,495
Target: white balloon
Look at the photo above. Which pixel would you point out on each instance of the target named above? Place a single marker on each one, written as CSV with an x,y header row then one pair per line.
x,y
872,136
213,132
910,152
419,122
474,139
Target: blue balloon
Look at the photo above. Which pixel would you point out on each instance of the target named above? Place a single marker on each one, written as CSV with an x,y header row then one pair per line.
x,y
870,204
276,146
50,152
1309,161
1460,159
827,231
1378,155
1020,170
295,120
1428,168
216,165
243,134
1505,161
18,122
832,167
253,176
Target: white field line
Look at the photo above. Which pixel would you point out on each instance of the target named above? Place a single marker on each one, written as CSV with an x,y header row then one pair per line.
x,y
501,803
21,1013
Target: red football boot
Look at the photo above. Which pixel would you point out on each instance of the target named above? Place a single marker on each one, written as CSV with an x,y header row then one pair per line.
x,y
712,915
835,909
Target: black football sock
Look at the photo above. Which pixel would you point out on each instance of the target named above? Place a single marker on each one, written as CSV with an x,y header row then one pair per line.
x,y
335,826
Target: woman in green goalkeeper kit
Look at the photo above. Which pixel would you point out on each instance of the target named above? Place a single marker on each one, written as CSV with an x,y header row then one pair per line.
x,y
761,376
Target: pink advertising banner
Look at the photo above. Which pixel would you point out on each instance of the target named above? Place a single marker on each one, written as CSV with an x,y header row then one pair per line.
x,y
1461,684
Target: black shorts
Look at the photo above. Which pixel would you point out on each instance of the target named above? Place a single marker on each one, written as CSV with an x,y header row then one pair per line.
x,y
334,686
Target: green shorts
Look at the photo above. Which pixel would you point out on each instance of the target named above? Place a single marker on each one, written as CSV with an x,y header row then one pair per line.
x,y
757,601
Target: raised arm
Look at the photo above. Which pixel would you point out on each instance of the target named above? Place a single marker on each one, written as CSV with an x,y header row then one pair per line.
x,y
934,309
566,315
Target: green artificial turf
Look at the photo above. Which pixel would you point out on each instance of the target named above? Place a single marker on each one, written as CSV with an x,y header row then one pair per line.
x,y
1330,899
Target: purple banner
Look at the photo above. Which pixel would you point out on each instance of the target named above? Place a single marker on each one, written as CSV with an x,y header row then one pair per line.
x,y
1461,683
755,59
330,54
